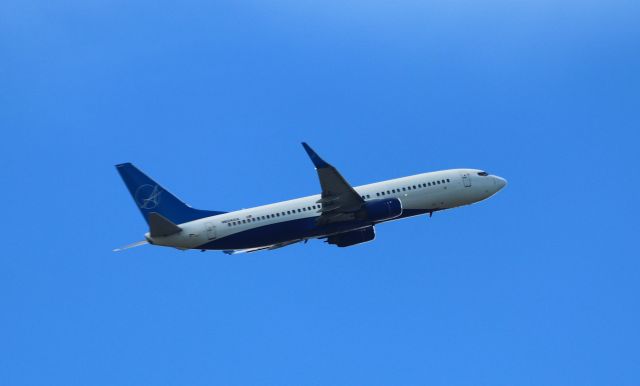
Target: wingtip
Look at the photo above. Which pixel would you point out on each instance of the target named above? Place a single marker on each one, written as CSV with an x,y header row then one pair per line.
x,y
315,158
307,148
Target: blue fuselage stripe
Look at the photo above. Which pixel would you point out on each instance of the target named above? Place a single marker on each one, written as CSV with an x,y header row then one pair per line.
x,y
288,231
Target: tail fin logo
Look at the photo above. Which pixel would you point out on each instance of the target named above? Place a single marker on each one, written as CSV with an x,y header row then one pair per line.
x,y
148,196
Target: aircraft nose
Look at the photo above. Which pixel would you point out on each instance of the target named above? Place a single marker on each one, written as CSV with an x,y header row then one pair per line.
x,y
499,182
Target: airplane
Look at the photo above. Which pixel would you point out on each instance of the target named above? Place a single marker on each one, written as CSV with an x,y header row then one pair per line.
x,y
341,215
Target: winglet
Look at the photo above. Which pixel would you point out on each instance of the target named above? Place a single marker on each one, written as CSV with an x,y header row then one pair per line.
x,y
315,158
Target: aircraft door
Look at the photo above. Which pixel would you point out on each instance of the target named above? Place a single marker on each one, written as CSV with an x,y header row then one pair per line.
x,y
211,230
466,180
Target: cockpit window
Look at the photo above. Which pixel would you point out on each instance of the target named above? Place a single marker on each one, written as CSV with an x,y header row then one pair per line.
x,y
484,174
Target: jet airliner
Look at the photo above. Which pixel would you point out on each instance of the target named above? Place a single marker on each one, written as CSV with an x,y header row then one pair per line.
x,y
342,215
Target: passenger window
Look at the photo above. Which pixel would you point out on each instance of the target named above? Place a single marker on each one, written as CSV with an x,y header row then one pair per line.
x,y
448,180
414,187
377,194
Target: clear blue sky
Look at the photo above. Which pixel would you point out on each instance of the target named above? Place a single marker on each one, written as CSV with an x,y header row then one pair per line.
x,y
537,286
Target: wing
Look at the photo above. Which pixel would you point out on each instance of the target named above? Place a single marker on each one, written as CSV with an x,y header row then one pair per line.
x,y
339,201
268,247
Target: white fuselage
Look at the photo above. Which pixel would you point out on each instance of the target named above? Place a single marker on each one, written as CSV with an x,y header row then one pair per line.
x,y
419,194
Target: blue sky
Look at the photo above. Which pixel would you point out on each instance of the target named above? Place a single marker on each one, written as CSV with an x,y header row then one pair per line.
x,y
536,286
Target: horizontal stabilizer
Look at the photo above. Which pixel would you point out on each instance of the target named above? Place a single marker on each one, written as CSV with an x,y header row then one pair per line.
x,y
132,245
160,226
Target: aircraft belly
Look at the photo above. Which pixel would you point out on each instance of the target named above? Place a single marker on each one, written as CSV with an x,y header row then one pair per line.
x,y
281,232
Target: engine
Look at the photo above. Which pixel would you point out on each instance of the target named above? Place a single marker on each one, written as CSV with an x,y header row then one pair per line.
x,y
353,237
380,210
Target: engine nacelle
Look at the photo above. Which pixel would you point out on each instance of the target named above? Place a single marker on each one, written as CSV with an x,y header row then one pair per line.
x,y
353,237
380,210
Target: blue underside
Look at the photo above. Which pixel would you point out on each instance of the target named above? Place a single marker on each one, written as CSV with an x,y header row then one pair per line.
x,y
288,231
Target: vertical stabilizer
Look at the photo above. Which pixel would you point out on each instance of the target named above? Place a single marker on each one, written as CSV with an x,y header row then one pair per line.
x,y
151,197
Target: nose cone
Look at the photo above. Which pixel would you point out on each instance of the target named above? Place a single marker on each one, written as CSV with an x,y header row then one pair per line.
x,y
499,182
